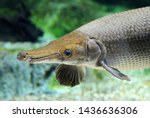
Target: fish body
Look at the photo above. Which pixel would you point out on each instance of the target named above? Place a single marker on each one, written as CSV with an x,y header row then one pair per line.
x,y
125,36
119,41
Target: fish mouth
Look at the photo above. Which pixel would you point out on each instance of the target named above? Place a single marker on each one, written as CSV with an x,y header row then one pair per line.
x,y
37,58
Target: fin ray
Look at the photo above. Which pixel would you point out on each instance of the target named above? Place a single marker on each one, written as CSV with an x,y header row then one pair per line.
x,y
69,75
114,71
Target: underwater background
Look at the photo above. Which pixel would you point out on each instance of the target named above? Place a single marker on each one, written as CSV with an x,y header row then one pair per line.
x,y
29,24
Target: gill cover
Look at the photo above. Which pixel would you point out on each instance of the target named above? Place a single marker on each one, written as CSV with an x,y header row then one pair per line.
x,y
93,50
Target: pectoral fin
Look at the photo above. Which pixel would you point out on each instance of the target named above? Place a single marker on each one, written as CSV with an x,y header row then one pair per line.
x,y
114,71
69,75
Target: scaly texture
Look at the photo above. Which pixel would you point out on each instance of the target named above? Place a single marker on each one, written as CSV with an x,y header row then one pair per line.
x,y
126,37
119,41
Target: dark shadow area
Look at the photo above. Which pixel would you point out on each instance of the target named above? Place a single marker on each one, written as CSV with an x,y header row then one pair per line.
x,y
15,23
129,3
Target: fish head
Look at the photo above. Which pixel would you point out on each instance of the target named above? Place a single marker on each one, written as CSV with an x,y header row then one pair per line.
x,y
69,49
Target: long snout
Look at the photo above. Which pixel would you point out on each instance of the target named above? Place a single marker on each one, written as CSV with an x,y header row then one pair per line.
x,y
38,55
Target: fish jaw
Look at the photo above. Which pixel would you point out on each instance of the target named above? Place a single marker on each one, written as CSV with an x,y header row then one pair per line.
x,y
40,55
37,58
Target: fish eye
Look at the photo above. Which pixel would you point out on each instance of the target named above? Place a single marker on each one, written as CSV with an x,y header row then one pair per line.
x,y
68,52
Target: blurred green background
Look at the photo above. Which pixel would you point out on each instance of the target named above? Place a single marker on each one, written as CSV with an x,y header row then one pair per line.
x,y
28,24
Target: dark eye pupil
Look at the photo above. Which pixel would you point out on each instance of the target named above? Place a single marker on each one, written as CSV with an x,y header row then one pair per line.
x,y
68,52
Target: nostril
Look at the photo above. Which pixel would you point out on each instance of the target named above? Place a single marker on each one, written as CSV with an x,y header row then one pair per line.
x,y
22,56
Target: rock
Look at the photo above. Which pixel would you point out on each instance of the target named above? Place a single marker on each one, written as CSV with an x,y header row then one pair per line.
x,y
20,78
